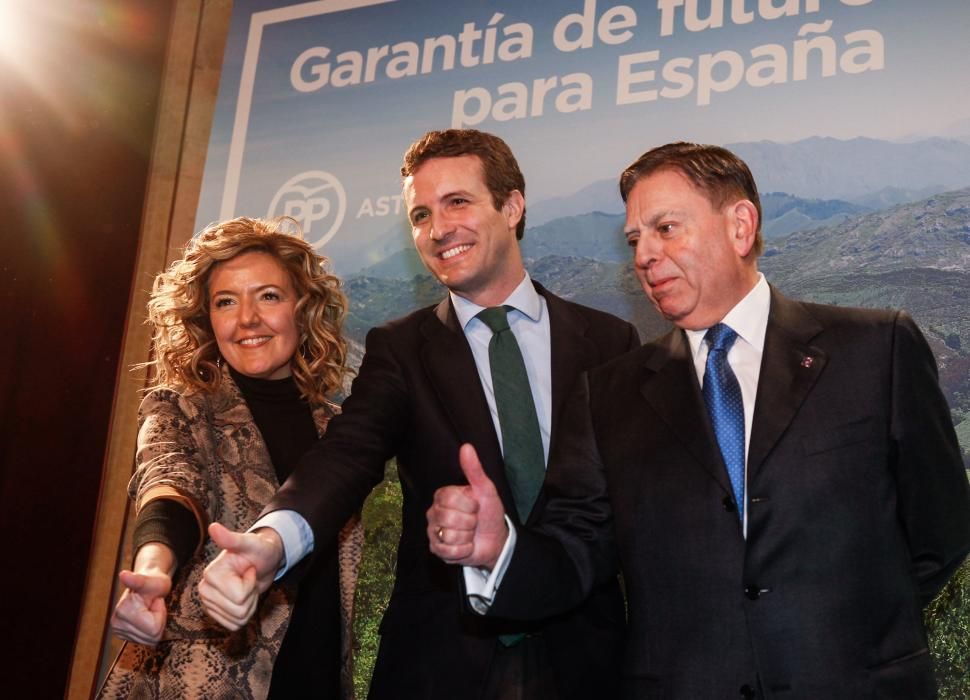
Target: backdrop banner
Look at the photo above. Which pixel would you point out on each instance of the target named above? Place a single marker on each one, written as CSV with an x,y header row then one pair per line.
x,y
853,114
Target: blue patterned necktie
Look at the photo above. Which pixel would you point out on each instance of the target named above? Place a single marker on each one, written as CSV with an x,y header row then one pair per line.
x,y
722,393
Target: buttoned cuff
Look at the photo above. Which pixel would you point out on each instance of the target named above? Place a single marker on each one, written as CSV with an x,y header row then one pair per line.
x,y
481,585
294,531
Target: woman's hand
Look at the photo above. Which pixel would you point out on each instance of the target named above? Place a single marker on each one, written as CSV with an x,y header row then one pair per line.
x,y
140,614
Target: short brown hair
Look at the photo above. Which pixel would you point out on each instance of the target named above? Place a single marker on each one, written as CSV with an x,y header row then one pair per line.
x,y
499,167
186,353
715,171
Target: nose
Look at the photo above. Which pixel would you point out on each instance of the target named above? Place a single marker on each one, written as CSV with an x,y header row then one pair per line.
x,y
647,251
248,313
441,227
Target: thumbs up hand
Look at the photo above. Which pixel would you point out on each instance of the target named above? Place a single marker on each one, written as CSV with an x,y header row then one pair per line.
x,y
466,524
232,582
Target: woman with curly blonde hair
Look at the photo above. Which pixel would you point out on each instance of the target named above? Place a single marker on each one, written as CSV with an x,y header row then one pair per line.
x,y
248,355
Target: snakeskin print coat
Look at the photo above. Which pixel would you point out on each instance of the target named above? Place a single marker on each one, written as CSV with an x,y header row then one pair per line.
x,y
204,450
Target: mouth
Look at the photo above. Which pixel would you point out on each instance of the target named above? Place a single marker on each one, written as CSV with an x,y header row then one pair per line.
x,y
452,252
658,285
255,341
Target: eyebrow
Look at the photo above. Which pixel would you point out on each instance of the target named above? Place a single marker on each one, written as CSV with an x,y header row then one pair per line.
x,y
465,194
457,193
258,289
656,218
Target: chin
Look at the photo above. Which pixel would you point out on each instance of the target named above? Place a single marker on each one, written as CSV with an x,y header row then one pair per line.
x,y
671,314
255,372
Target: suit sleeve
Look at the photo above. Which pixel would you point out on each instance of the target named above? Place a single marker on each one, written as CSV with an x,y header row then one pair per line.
x,y
571,550
932,486
333,479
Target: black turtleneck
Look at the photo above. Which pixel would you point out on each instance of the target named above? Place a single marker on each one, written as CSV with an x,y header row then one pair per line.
x,y
284,419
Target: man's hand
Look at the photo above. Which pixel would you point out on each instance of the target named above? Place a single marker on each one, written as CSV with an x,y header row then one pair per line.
x,y
466,524
232,583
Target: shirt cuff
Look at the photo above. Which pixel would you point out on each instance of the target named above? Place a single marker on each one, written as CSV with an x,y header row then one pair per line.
x,y
481,585
294,531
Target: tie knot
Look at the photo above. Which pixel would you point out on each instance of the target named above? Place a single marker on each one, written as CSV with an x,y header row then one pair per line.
x,y
720,337
496,318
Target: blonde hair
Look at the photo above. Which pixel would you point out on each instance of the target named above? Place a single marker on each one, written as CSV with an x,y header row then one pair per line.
x,y
186,354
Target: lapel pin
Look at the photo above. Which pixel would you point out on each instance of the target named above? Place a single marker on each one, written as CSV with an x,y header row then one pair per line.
x,y
807,362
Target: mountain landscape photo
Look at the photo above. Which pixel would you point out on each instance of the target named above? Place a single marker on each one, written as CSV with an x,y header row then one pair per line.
x,y
855,223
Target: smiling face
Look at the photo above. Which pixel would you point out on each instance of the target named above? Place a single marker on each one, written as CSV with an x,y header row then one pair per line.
x,y
468,244
252,308
689,256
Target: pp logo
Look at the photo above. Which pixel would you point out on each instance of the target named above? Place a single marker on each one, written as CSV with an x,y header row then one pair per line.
x,y
317,200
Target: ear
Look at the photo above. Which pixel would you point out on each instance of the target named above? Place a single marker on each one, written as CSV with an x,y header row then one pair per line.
x,y
744,218
513,208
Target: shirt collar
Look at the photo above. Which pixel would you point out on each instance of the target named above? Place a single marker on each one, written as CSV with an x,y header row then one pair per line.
x,y
524,299
748,318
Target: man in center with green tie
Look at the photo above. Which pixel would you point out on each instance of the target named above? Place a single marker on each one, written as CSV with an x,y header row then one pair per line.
x,y
491,365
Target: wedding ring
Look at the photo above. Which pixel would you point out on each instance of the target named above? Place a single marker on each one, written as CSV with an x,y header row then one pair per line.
x,y
441,534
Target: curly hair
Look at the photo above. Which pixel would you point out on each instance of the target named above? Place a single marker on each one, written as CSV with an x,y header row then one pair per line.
x,y
186,354
499,167
714,170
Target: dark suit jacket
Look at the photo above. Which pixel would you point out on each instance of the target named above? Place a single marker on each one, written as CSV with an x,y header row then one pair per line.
x,y
417,397
859,509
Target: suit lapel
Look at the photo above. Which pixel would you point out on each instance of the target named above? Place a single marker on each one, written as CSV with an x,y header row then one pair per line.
x,y
451,370
671,388
571,351
790,366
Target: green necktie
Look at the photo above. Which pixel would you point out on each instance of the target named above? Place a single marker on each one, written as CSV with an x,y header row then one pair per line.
x,y
521,441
